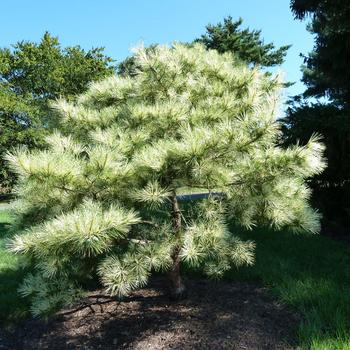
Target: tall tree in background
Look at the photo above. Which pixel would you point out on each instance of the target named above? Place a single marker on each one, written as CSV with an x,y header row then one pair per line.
x,y
30,75
326,75
246,44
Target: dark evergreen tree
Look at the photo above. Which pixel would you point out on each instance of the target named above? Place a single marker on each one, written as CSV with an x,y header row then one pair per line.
x,y
326,75
326,71
246,44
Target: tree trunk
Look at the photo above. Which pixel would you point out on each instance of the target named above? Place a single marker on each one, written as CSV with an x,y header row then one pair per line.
x,y
177,288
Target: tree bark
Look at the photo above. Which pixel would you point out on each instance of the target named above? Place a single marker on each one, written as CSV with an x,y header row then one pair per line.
x,y
177,287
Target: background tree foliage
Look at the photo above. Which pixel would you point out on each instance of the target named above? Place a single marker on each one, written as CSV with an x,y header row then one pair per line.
x,y
246,44
326,75
20,124
326,71
31,74
103,201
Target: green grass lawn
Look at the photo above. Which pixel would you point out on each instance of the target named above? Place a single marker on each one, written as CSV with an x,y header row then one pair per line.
x,y
309,273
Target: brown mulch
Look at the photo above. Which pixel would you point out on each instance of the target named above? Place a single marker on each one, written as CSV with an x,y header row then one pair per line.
x,y
215,315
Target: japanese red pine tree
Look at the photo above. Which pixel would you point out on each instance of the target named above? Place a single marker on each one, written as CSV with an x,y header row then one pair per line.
x,y
103,201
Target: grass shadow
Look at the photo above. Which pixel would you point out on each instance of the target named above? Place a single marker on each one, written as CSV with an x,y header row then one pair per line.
x,y
12,306
310,273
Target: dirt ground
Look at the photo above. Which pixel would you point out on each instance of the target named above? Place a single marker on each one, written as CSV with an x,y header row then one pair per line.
x,y
216,315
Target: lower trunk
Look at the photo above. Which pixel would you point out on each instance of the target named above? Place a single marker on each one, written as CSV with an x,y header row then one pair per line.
x,y
177,288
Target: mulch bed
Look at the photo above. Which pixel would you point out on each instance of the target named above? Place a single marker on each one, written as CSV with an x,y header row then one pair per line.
x,y
215,315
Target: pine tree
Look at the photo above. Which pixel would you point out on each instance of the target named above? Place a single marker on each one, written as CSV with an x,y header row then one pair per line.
x,y
104,200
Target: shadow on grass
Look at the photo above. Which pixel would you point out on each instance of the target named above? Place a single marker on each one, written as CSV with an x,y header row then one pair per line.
x,y
311,273
4,228
12,306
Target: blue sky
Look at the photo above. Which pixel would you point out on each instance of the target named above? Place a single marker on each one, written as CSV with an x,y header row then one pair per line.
x,y
119,25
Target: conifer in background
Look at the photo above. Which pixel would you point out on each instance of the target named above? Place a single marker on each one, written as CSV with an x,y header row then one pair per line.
x,y
228,36
103,202
324,106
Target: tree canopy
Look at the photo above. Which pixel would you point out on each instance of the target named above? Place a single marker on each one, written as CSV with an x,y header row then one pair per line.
x,y
30,75
103,202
